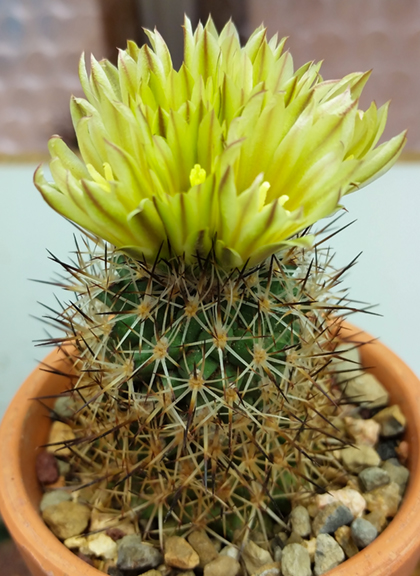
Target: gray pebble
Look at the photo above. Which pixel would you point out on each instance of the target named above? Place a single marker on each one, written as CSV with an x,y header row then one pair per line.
x,y
276,547
328,554
114,571
330,518
397,473
386,449
373,477
301,522
54,497
295,561
134,555
363,532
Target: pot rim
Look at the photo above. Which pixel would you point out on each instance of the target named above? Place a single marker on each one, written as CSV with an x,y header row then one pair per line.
x,y
389,548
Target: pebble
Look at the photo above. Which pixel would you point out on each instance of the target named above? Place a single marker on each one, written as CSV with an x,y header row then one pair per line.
x,y
85,558
180,554
60,483
54,497
272,569
222,566
385,499
47,470
363,532
102,546
133,554
355,459
345,540
391,420
378,519
104,521
231,551
63,467
397,473
114,571
373,477
295,561
348,364
300,520
330,518
347,496
115,533
65,406
60,433
328,554
386,449
276,548
367,391
255,557
310,546
67,518
259,538
152,573
294,539
78,542
204,547
402,451
363,432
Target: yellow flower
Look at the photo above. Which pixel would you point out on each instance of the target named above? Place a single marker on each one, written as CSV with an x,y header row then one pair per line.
x,y
235,151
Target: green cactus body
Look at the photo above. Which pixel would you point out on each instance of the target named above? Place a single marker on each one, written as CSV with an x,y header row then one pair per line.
x,y
206,393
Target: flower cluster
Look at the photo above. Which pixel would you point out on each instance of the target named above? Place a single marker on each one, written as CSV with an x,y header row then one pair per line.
x,y
235,152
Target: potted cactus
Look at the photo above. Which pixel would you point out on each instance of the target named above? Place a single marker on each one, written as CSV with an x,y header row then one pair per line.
x,y
195,381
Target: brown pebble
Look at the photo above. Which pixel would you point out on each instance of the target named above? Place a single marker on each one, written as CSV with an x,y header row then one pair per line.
x,y
402,451
179,554
115,533
60,483
378,519
204,547
271,569
67,519
222,566
60,434
85,558
46,468
345,540
385,499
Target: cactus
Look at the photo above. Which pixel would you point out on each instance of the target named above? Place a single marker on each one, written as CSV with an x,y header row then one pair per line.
x,y
204,318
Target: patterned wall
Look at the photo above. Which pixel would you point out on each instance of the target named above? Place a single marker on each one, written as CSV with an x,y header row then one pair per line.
x,y
40,45
352,35
41,40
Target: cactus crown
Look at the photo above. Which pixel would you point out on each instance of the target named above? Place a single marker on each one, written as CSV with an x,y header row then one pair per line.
x,y
234,152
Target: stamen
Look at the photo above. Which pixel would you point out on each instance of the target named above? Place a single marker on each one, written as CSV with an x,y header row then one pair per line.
x,y
197,175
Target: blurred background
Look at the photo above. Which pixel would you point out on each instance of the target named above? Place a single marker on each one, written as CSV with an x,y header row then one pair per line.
x,y
40,44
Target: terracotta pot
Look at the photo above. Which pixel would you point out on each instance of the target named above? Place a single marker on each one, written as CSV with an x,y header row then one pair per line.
x,y
25,427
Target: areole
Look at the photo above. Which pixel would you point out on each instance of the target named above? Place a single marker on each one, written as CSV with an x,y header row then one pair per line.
x,y
25,427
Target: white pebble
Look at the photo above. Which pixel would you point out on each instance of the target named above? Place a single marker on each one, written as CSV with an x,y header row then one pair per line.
x,y
102,546
347,496
364,432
